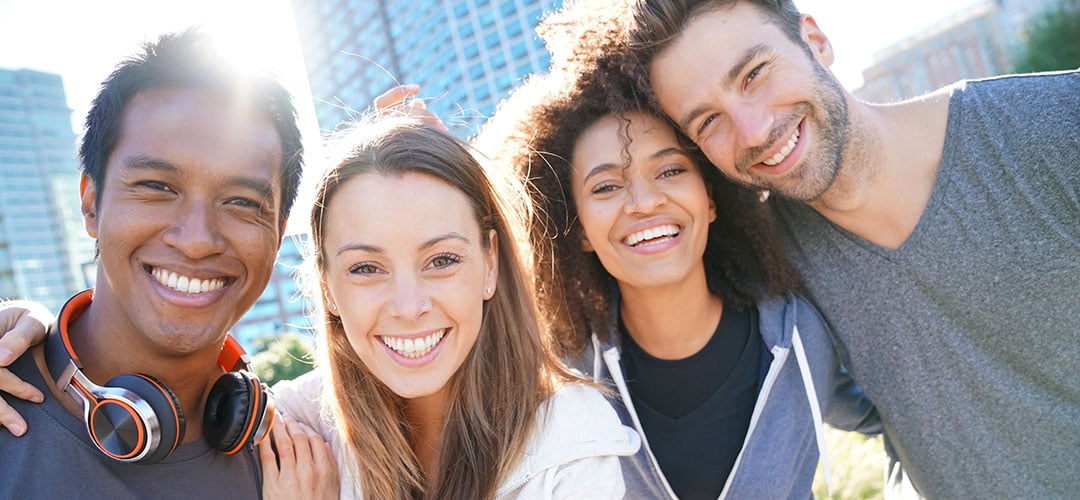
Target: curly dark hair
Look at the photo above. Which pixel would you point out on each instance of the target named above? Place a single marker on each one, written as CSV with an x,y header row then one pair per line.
x,y
534,132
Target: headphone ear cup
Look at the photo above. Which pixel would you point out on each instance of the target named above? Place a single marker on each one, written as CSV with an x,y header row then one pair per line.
x,y
230,410
170,417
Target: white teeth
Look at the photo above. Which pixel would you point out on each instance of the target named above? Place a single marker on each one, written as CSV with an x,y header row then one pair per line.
x,y
186,284
784,151
667,230
413,348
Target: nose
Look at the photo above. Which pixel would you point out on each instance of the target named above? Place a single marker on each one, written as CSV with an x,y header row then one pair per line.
x,y
196,231
752,124
411,298
643,197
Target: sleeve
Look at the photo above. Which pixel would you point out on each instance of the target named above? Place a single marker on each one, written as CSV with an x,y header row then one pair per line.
x,y
299,399
845,405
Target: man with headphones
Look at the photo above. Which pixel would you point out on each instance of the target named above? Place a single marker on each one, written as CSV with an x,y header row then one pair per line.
x,y
189,170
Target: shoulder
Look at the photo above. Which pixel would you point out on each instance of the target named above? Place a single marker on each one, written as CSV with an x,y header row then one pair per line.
x,y
301,398
577,422
779,315
575,449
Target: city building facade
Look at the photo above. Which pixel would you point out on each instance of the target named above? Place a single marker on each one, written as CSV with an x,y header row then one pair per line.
x,y
467,54
282,307
975,43
45,254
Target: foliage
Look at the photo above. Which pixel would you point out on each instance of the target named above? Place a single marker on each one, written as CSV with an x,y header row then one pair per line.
x,y
284,356
857,463
1053,40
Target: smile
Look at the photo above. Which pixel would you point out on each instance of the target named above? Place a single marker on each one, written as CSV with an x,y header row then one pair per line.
x,y
413,348
784,151
186,284
652,234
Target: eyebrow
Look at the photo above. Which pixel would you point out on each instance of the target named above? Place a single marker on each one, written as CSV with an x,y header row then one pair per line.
x,y
149,163
748,55
452,235
604,167
667,152
599,169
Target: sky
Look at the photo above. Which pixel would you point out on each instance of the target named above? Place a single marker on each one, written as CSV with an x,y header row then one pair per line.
x,y
82,40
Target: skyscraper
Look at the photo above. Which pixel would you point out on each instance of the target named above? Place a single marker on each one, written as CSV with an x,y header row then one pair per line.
x,y
467,54
44,250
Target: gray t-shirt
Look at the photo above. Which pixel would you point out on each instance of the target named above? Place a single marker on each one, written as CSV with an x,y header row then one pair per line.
x,y
56,459
967,337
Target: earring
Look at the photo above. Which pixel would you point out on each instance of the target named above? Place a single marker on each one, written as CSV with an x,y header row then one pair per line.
x,y
488,291
333,307
763,195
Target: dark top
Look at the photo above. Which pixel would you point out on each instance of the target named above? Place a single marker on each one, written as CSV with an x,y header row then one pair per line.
x,y
695,411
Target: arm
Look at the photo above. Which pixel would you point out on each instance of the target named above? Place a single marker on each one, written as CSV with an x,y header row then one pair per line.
x,y
402,99
22,324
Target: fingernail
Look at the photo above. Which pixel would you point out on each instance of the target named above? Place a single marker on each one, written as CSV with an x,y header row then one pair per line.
x,y
37,398
6,356
17,429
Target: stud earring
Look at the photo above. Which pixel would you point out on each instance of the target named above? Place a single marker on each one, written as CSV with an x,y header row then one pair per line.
x,y
488,290
333,307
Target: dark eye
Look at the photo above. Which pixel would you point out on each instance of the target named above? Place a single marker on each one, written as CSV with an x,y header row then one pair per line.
x,y
705,125
605,187
444,260
671,171
156,186
754,73
244,202
363,268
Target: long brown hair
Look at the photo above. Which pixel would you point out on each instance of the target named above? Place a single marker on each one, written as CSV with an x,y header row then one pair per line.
x,y
593,74
495,395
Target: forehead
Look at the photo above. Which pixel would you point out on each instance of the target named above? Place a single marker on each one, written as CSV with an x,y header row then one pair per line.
x,y
606,139
410,207
201,130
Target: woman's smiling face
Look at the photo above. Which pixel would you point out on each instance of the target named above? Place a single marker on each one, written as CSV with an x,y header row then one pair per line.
x,y
408,269
647,220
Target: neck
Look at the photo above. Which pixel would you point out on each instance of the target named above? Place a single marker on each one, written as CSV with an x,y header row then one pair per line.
x,y
108,347
427,419
672,322
890,166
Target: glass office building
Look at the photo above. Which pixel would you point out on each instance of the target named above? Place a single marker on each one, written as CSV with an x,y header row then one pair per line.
x,y
467,54
45,254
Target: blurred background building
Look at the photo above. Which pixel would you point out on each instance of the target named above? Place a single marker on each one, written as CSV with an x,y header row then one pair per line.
x,y
44,251
467,54
975,43
282,307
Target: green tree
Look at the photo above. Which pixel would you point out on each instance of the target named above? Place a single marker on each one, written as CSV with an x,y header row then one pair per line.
x,y
1053,40
283,356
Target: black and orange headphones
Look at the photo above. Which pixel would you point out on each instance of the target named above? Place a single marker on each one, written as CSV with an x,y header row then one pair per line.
x,y
135,418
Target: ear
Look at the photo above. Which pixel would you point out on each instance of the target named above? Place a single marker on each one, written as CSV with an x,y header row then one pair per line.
x,y
328,301
87,193
491,277
586,245
818,42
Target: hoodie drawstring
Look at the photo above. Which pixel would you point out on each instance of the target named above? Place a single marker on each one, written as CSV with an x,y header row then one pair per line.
x,y
815,409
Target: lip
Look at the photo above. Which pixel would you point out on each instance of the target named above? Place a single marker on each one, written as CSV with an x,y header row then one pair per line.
x,y
184,299
793,156
422,360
